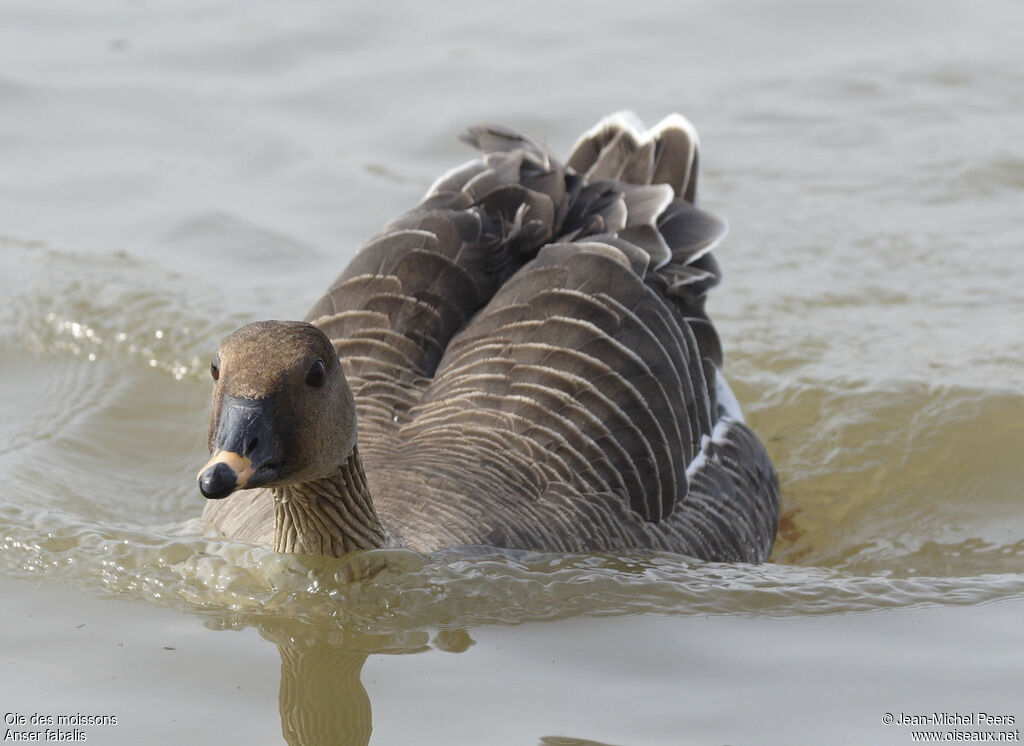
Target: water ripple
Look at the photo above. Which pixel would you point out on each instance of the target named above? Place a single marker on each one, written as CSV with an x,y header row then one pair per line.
x,y
382,598
114,306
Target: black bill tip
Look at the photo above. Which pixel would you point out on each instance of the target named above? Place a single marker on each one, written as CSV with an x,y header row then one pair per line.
x,y
219,481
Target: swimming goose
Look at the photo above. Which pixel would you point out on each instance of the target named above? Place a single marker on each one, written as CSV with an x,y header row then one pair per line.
x,y
523,360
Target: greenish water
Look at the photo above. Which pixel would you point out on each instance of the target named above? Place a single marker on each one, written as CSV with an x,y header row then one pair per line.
x,y
172,171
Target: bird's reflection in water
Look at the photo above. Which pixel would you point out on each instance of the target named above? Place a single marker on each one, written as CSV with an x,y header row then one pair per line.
x,y
329,615
323,700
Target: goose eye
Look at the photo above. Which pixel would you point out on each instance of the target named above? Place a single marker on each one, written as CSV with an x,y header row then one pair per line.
x,y
316,373
215,368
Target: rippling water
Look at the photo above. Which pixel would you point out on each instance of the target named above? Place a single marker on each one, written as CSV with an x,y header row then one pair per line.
x,y
173,171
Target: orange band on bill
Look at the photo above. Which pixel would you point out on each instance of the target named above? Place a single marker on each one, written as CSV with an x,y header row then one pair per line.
x,y
240,465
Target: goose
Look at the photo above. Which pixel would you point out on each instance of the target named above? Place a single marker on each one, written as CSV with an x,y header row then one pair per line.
x,y
521,361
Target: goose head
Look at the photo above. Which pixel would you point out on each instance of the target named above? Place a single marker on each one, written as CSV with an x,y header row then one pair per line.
x,y
282,410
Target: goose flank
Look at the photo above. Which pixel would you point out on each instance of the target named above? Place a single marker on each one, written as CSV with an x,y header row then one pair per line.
x,y
522,360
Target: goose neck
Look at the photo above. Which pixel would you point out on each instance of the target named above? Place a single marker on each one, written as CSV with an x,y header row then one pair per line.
x,y
333,515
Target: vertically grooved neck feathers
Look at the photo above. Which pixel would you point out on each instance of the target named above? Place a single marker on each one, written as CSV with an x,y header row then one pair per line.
x,y
310,519
524,360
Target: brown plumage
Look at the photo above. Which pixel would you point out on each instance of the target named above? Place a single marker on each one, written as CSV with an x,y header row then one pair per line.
x,y
526,361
